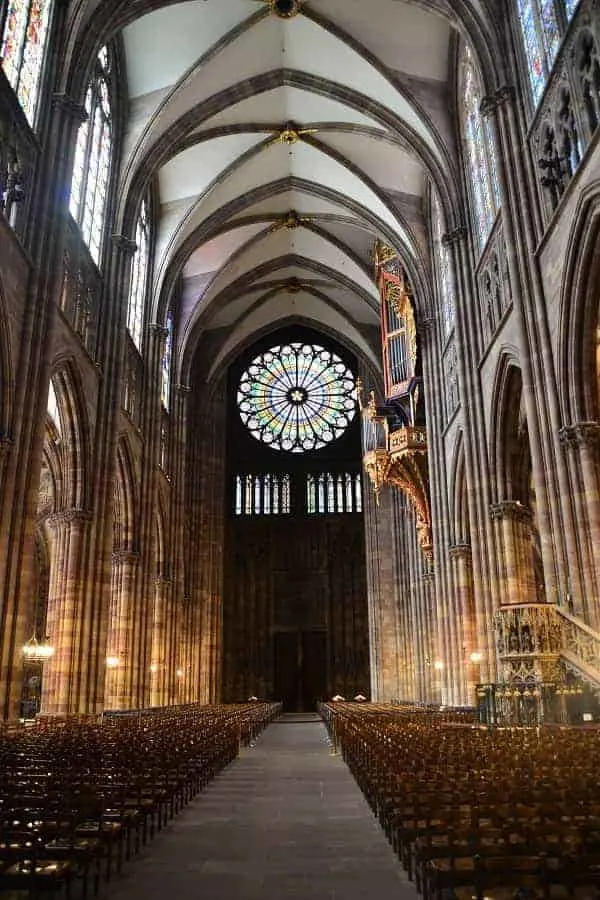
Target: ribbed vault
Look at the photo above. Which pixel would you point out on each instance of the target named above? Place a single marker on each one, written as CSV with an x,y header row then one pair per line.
x,y
280,149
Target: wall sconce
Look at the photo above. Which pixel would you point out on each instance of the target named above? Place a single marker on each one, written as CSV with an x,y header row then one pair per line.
x,y
113,662
476,656
438,665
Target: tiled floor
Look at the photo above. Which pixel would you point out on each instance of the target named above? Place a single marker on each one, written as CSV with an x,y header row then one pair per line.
x,y
286,820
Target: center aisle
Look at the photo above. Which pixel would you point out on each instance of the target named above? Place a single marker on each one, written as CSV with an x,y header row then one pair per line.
x,y
285,820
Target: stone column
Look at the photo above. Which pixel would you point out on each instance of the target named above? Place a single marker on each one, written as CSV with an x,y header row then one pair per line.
x,y
161,627
469,637
514,546
121,686
582,442
68,614
45,238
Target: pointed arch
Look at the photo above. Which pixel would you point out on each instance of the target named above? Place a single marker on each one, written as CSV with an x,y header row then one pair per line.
x,y
6,374
125,499
74,444
509,450
578,365
461,526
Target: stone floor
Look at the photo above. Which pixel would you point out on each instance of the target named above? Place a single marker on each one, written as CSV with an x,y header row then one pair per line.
x,y
286,820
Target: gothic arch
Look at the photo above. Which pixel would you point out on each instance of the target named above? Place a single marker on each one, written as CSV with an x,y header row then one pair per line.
x,y
6,377
461,527
125,502
508,427
74,444
578,362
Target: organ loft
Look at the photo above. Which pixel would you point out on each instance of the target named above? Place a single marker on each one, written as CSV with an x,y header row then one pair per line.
x,y
299,372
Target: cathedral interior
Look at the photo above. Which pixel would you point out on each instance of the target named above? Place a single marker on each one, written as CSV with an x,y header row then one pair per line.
x,y
300,364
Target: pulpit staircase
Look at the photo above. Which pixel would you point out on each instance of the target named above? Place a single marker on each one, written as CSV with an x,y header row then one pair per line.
x,y
543,640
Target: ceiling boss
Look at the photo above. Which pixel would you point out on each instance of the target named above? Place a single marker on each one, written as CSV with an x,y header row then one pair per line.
x,y
285,9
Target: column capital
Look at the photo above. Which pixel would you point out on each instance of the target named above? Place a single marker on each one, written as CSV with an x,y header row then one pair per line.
x,y
488,105
158,331
123,243
506,93
455,236
125,556
510,509
460,551
184,389
70,516
580,434
6,446
163,582
72,107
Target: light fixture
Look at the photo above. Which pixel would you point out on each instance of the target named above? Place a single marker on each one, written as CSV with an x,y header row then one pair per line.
x,y
154,668
38,651
476,656
438,664
113,662
179,673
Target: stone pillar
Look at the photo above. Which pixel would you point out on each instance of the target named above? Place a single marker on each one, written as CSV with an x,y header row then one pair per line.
x,y
122,649
45,238
513,531
582,442
470,639
161,627
68,615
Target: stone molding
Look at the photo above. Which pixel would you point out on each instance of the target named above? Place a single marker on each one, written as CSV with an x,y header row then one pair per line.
x,y
6,446
455,236
123,243
491,102
67,104
459,551
163,582
158,331
184,389
580,434
511,509
69,516
123,556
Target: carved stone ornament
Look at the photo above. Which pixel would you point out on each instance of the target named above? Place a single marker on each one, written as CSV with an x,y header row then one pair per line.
x,y
404,464
70,516
510,509
580,434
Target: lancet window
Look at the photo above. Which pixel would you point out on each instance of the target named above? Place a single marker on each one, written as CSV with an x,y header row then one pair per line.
x,y
91,167
166,363
24,37
262,495
480,152
139,277
328,493
541,32
443,269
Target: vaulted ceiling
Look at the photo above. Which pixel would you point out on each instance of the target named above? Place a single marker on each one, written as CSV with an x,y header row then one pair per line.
x,y
282,148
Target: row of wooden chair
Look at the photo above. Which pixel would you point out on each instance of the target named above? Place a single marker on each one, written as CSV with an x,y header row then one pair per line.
x,y
476,812
80,796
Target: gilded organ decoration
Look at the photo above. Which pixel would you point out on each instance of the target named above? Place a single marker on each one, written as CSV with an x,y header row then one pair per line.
x,y
399,330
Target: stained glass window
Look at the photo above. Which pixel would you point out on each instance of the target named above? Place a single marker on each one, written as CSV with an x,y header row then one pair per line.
x,y
443,268
139,277
480,152
52,407
297,397
91,167
541,35
262,495
23,44
329,493
166,363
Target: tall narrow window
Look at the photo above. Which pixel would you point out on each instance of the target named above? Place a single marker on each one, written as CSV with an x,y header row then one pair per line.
x,y
541,37
166,362
23,47
570,7
139,277
443,268
91,168
480,152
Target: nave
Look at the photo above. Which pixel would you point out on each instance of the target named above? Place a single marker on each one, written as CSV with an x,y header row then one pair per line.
x,y
285,820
